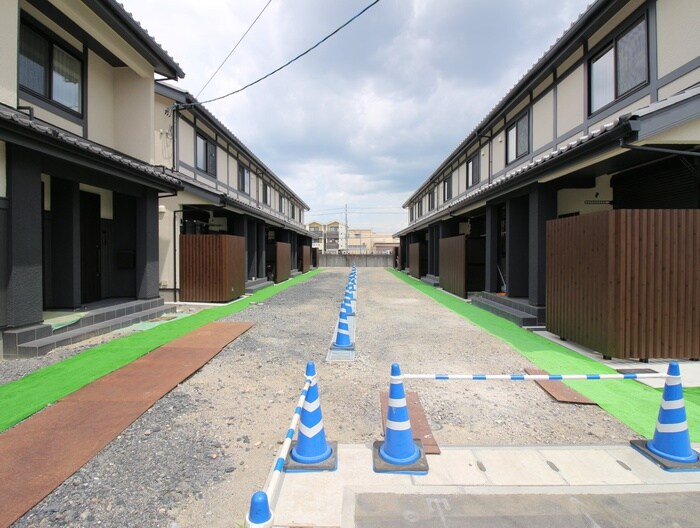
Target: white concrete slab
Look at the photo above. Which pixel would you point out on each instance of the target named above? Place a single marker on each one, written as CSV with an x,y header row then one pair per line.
x,y
452,467
517,467
591,467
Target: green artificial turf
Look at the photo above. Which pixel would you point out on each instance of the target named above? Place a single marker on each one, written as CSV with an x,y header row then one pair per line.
x,y
633,403
24,397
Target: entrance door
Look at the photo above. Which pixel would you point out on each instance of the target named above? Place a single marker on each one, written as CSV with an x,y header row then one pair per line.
x,y
90,265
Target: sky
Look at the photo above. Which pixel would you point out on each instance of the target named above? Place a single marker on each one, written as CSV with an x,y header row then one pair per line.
x,y
364,119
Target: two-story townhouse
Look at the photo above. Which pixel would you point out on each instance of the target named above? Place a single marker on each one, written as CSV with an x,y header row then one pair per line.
x,y
228,190
78,188
607,121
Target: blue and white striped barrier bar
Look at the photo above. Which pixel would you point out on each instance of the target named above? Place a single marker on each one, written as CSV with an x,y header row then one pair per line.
x,y
274,480
532,377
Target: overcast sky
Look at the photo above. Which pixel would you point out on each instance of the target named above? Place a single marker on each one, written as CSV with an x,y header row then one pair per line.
x,y
365,118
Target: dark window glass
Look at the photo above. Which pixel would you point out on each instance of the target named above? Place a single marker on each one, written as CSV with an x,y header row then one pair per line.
x,y
201,156
631,67
603,80
33,61
518,139
243,179
447,189
65,81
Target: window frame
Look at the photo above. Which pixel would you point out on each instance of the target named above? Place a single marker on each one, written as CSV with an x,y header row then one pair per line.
x,y
473,165
431,199
447,189
209,154
515,126
266,194
612,45
51,41
243,179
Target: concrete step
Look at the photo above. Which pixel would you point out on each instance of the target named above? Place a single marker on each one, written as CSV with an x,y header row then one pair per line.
x,y
258,284
539,312
431,279
39,347
512,314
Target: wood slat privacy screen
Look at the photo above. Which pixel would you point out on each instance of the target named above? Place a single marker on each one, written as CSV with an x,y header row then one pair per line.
x,y
453,265
626,282
283,261
212,268
305,259
414,260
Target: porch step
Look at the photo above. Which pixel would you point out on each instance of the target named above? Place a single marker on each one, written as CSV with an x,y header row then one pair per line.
x,y
518,317
39,347
539,312
252,286
431,279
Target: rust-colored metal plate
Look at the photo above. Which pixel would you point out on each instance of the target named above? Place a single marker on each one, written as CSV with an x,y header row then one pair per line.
x,y
559,391
41,452
419,421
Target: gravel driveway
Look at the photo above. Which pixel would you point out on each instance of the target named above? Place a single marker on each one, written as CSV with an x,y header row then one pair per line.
x,y
198,454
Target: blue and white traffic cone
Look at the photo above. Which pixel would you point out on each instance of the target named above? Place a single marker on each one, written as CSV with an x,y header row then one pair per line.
x,y
399,452
670,446
349,304
311,451
342,335
259,515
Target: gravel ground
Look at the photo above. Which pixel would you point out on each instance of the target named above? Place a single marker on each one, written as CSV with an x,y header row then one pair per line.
x,y
198,454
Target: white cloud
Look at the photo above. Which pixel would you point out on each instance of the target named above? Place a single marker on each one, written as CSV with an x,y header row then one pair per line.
x,y
365,118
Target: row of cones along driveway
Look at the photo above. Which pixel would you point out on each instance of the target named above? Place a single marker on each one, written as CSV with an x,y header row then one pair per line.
x,y
399,452
345,333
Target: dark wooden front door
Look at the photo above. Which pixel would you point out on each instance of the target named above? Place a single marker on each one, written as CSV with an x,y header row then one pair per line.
x,y
90,266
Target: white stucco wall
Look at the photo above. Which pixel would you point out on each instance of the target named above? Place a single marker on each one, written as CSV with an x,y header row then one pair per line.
x,y
9,14
572,200
133,114
678,35
570,101
100,99
543,121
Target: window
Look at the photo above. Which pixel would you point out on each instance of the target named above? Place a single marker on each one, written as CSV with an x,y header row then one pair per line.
x,y
431,200
292,211
410,214
620,68
50,71
472,172
447,189
281,204
244,179
267,194
518,139
419,209
205,155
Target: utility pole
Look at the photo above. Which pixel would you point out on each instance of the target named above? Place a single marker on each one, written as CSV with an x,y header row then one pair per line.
x,y
347,248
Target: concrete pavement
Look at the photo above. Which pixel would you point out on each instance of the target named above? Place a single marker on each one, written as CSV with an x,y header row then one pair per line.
x,y
544,486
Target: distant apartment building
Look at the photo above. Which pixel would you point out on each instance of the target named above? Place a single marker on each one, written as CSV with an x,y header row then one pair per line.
x,y
331,239
328,238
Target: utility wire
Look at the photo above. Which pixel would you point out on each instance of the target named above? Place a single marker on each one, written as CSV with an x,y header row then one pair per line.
x,y
234,48
189,105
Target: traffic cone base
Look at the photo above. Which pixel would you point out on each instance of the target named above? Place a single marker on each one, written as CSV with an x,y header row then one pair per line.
x,y
380,465
330,463
670,448
665,463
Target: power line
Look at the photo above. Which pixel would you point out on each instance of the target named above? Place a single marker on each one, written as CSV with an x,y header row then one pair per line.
x,y
234,48
189,105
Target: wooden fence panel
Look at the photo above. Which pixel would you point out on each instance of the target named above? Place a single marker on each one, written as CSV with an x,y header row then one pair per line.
x,y
212,268
453,265
627,282
414,260
305,259
283,261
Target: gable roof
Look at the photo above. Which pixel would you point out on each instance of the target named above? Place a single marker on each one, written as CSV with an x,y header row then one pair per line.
x,y
119,19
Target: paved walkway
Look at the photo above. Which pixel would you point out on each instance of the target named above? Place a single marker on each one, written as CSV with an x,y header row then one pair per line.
x,y
38,454
556,487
